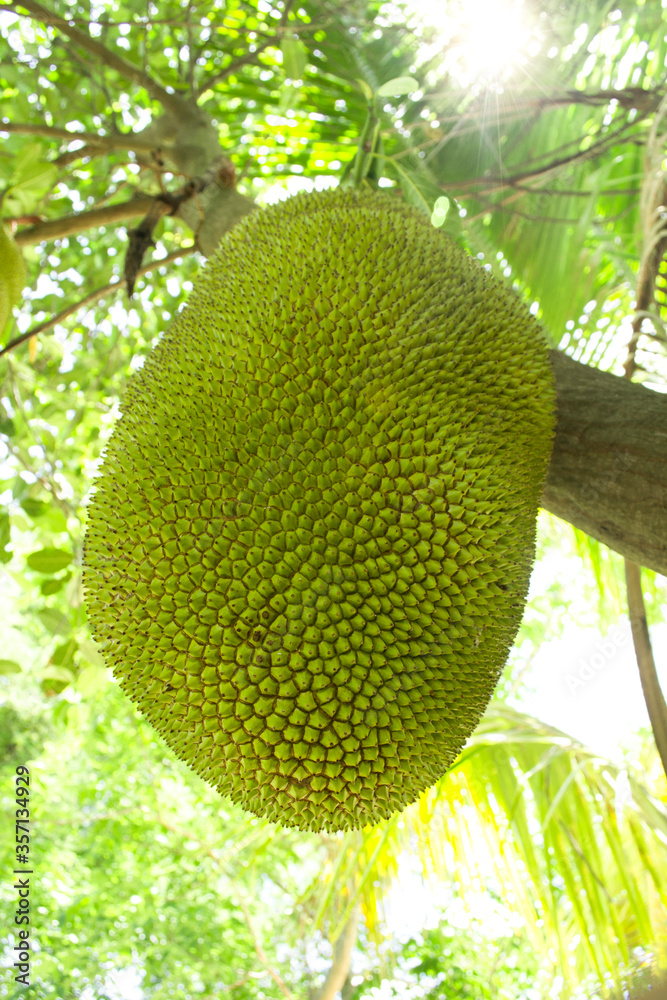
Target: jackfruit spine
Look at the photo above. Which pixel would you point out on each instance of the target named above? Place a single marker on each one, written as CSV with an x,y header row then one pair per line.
x,y
311,540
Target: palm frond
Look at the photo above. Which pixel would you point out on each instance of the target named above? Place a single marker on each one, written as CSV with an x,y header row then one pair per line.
x,y
531,813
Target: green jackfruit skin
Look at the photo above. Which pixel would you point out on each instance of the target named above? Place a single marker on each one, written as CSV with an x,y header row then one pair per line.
x,y
311,541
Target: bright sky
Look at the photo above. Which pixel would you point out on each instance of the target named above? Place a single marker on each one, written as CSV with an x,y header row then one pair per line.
x,y
481,40
587,684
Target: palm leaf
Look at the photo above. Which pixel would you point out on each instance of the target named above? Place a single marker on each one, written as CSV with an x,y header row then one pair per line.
x,y
531,810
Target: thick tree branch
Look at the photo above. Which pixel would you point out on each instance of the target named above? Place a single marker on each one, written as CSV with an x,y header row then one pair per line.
x,y
67,225
342,957
174,104
106,142
209,214
608,469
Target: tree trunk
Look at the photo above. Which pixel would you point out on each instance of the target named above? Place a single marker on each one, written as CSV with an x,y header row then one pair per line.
x,y
342,956
608,469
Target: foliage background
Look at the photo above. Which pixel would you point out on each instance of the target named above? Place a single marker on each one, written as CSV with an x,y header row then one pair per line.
x,y
539,863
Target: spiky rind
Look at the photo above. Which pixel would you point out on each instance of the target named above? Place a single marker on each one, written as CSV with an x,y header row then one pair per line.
x,y
310,545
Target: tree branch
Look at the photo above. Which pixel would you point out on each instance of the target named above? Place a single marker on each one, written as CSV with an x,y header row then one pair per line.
x,y
261,954
653,696
107,142
249,57
99,293
66,225
342,957
608,468
501,182
234,66
644,100
173,103
221,171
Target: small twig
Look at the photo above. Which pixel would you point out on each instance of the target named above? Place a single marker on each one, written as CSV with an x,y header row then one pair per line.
x,y
99,293
249,57
172,103
236,985
502,182
653,696
261,954
50,487
72,155
192,58
235,65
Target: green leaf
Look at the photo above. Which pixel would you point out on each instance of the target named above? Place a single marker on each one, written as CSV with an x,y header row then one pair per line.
x,y
52,586
4,538
63,655
9,667
54,518
418,190
90,680
54,621
89,652
49,560
7,426
397,87
48,440
295,58
365,89
33,176
54,673
33,507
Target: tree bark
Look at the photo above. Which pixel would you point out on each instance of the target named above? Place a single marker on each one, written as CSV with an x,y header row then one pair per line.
x,y
608,469
342,957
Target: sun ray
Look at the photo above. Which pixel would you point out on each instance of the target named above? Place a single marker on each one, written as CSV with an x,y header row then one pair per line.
x,y
484,41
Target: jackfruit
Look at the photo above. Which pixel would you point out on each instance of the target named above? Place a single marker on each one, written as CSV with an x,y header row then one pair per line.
x,y
12,276
312,536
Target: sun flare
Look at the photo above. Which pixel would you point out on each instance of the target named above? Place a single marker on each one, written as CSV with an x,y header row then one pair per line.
x,y
484,40
494,37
